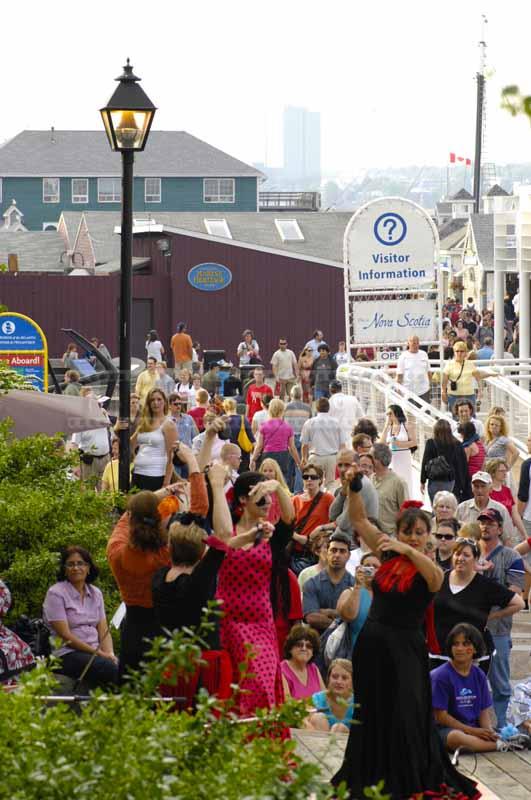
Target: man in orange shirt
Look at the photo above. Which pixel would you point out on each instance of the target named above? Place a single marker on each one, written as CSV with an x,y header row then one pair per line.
x,y
181,345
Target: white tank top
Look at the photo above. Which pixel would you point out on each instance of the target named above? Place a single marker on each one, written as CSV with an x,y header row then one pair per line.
x,y
151,458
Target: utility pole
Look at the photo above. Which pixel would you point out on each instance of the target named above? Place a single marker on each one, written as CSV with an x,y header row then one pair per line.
x,y
480,80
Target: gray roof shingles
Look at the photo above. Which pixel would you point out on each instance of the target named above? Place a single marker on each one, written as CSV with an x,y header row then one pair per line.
x,y
323,232
483,230
87,154
37,251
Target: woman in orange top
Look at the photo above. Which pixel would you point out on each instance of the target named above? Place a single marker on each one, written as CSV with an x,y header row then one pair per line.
x,y
137,548
311,510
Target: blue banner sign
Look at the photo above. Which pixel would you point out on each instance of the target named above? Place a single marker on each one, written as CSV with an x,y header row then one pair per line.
x,y
209,277
23,347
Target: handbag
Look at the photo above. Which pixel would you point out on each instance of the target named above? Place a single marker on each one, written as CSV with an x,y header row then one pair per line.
x,y
243,439
35,633
438,469
338,643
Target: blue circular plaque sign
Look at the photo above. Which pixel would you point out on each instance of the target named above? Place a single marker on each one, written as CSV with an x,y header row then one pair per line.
x,y
209,277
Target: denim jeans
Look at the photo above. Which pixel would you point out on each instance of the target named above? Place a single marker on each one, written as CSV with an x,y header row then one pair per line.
x,y
500,677
102,671
318,393
439,486
294,474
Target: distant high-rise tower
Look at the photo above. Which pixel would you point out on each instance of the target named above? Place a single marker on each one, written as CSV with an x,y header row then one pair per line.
x,y
302,147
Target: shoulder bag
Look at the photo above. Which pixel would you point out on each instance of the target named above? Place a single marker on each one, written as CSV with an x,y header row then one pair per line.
x,y
243,439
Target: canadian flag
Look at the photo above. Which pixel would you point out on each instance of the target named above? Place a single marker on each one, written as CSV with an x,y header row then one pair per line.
x,y
454,159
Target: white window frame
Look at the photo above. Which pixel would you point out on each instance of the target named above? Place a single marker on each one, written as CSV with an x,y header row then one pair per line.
x,y
152,197
282,233
79,197
116,198
54,225
213,193
49,197
211,223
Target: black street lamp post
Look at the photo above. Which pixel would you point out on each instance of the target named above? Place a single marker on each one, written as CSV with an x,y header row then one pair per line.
x,y
127,118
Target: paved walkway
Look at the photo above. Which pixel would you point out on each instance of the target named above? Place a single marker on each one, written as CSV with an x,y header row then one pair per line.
x,y
502,776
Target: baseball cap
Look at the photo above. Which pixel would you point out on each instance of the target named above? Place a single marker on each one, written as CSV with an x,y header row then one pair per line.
x,y
336,385
491,514
484,477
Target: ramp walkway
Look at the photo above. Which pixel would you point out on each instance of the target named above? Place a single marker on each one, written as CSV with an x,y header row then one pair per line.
x,y
375,386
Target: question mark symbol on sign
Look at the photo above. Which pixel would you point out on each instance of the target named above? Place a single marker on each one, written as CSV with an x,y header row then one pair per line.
x,y
390,224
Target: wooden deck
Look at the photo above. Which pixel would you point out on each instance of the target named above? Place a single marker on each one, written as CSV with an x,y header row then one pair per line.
x,y
501,776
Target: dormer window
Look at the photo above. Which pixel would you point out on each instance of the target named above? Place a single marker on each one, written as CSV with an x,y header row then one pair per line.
x,y
289,230
218,227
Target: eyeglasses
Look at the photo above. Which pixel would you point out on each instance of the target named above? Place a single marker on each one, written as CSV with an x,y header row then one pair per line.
x,y
175,402
303,645
308,477
74,564
447,537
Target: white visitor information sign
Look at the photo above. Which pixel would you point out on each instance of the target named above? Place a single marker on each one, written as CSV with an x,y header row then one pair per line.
x,y
394,321
390,243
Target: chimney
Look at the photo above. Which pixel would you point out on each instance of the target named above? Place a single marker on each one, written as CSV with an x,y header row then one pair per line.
x,y
12,262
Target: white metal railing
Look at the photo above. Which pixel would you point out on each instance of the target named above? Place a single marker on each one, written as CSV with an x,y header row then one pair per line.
x,y
375,386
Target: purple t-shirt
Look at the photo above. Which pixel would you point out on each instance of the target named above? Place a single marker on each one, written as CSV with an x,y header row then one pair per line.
x,y
462,697
63,603
277,434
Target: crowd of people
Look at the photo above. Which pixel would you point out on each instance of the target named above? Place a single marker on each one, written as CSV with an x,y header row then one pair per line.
x,y
277,496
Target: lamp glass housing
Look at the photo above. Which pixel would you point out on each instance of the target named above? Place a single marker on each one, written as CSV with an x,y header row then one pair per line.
x,y
127,129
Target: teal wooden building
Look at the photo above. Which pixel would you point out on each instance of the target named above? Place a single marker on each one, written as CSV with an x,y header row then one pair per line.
x,y
49,172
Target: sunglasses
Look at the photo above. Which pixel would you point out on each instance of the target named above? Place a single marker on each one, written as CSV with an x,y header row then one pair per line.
x,y
470,542
447,537
261,502
308,477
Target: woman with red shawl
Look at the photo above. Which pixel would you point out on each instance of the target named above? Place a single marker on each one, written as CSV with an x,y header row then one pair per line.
x,y
396,739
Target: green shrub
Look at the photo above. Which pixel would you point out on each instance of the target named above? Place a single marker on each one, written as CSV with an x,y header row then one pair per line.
x,y
42,511
130,748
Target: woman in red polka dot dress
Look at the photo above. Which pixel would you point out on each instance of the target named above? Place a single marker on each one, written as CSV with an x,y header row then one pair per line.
x,y
244,588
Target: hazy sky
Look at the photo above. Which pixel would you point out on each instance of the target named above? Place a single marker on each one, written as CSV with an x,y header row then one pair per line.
x,y
394,81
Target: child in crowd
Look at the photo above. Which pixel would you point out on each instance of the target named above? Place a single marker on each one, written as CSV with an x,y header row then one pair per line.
x,y
462,701
334,707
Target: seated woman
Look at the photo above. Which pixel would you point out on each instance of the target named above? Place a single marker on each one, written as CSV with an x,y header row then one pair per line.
x,y
335,705
467,596
15,654
354,603
300,676
461,696
73,608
